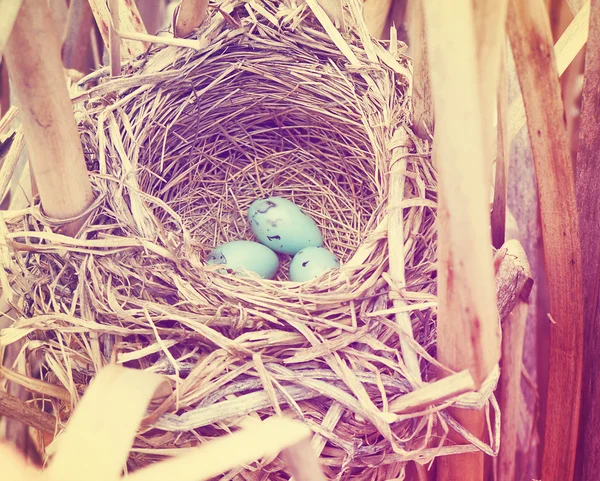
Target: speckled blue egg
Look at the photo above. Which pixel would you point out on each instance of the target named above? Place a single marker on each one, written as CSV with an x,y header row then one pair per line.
x,y
246,255
282,226
311,262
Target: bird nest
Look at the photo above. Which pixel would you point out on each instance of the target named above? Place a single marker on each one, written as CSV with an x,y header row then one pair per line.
x,y
274,103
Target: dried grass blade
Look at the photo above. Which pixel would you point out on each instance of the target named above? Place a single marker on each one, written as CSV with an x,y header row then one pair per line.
x,y
397,253
113,422
434,393
216,457
35,385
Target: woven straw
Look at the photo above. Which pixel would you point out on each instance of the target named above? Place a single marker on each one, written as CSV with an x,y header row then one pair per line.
x,y
274,103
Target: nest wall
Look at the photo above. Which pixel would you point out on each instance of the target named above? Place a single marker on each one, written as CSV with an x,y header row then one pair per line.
x,y
177,148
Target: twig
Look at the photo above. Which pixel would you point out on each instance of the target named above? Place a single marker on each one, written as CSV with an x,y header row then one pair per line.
x,y
513,336
512,362
513,277
16,409
188,16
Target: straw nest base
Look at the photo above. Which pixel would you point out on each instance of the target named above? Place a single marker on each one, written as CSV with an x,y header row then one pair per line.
x,y
177,149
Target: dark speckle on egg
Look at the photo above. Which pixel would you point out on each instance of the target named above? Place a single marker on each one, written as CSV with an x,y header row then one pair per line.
x,y
269,204
218,257
273,237
305,263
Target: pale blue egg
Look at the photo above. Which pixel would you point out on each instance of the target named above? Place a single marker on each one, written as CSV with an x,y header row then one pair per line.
x,y
246,255
281,225
311,262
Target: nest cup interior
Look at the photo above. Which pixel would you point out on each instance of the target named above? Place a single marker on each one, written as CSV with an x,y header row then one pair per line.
x,y
274,133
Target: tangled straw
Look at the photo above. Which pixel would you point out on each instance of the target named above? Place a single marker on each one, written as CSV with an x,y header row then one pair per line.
x,y
178,148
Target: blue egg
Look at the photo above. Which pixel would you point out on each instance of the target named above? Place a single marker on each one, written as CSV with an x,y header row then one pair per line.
x,y
311,262
282,226
246,255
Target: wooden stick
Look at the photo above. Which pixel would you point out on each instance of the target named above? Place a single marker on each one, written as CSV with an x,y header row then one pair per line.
x,y
566,49
39,83
14,408
490,21
76,48
302,462
422,123
376,15
588,199
152,13
575,5
462,173
513,335
4,89
129,21
513,277
114,41
531,41
188,16
10,10
468,328
498,219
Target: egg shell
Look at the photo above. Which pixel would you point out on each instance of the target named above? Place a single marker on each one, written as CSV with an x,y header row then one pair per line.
x,y
283,226
311,262
248,255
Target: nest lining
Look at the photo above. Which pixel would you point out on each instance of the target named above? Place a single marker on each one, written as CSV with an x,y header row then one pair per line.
x,y
177,149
